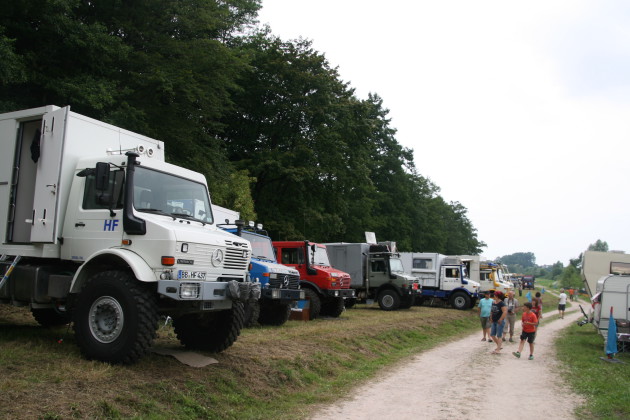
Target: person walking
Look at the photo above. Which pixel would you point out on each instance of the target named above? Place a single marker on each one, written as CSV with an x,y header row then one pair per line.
x,y
498,314
530,322
537,306
520,288
512,306
562,303
485,307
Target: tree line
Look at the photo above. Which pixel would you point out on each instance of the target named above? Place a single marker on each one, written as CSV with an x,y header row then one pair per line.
x,y
278,135
567,277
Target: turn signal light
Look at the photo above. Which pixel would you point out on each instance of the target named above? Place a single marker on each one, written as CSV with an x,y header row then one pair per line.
x,y
168,260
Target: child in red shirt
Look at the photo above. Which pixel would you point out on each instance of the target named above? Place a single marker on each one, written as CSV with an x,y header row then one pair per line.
x,y
530,321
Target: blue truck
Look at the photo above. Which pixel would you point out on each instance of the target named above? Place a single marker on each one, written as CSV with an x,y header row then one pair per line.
x,y
279,284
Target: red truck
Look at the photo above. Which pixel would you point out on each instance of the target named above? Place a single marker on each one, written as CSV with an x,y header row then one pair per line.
x,y
324,287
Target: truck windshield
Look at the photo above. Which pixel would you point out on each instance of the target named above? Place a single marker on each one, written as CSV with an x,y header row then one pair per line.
x,y
162,193
395,265
320,257
261,246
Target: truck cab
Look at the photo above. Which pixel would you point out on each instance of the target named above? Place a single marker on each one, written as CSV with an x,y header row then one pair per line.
x,y
280,284
324,287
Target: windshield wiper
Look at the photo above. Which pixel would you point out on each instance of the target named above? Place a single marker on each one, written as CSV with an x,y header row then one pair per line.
x,y
188,217
156,211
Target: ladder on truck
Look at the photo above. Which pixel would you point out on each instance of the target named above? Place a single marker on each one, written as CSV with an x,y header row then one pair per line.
x,y
6,260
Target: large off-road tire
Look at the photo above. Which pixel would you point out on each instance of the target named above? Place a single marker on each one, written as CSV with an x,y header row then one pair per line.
x,y
407,301
210,331
50,317
333,307
314,303
252,312
116,318
460,300
389,300
274,313
350,302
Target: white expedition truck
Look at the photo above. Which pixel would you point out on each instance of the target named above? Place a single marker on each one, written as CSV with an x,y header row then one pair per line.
x,y
488,274
442,277
98,229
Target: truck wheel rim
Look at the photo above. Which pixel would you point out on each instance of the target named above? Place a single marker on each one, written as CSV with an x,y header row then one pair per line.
x,y
106,319
388,301
459,301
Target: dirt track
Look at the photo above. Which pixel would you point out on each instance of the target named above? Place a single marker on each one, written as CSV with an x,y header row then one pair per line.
x,y
462,379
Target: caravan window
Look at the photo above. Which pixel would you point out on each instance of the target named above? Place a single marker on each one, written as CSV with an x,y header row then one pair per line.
x,y
620,268
423,263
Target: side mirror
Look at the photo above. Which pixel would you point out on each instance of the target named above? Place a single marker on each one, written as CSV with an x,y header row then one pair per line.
x,y
101,180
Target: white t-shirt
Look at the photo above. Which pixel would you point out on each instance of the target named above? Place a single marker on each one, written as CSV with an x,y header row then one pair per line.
x,y
563,299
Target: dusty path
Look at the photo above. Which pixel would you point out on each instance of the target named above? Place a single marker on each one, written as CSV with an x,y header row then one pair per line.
x,y
462,379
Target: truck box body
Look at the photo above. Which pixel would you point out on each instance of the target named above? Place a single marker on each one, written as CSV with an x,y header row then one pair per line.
x,y
33,218
596,264
351,258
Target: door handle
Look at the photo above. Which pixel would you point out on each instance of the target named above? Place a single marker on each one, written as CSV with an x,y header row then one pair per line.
x,y
79,224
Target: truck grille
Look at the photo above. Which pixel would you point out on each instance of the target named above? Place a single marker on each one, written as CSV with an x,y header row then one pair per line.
x,y
285,281
344,282
232,257
236,258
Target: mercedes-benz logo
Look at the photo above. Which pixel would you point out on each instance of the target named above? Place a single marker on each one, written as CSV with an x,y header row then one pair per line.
x,y
217,257
285,281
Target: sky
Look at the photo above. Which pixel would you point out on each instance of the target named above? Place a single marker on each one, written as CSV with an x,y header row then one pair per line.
x,y
520,111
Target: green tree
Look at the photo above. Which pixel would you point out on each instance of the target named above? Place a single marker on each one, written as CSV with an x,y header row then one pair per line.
x,y
556,270
163,68
570,278
599,245
523,259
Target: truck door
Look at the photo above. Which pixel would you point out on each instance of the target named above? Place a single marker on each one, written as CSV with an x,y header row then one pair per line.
x,y
47,176
451,277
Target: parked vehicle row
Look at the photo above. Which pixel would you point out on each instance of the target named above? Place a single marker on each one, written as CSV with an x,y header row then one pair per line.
x,y
99,230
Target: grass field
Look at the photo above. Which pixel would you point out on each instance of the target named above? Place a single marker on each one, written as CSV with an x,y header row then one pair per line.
x,y
271,372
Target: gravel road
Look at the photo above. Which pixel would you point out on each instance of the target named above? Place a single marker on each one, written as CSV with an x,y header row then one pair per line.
x,y
461,379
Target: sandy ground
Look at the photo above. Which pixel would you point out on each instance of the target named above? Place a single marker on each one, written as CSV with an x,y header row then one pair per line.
x,y
462,379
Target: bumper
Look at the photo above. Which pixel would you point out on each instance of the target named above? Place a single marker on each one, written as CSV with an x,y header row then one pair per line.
x,y
211,295
411,292
343,293
282,294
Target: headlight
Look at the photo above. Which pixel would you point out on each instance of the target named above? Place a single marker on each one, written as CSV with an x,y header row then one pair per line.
x,y
189,290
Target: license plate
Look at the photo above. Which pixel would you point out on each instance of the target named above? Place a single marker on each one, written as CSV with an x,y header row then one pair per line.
x,y
185,274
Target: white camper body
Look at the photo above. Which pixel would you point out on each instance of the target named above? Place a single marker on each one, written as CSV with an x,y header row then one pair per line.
x,y
443,277
612,291
93,209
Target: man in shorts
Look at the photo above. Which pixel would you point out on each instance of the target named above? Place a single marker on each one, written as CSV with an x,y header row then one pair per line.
x,y
497,315
562,303
530,322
